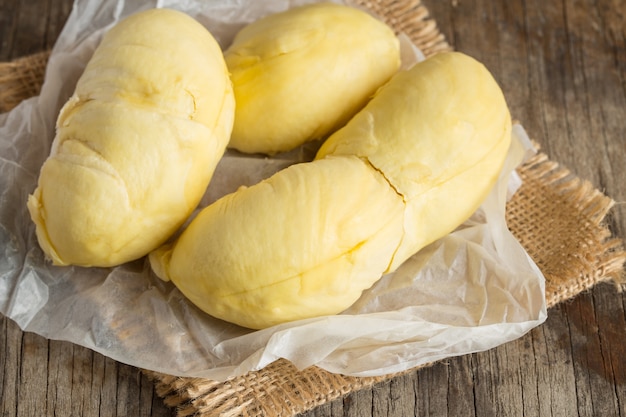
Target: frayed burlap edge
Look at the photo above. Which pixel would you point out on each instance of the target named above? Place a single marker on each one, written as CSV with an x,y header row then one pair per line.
x,y
556,216
559,219
279,389
21,78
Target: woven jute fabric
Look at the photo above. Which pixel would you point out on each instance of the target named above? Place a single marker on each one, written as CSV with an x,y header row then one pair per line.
x,y
557,217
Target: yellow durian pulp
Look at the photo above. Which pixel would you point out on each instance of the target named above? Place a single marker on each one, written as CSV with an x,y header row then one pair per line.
x,y
303,243
439,133
136,144
302,73
409,168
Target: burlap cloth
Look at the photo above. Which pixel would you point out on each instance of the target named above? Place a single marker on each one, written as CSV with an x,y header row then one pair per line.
x,y
557,217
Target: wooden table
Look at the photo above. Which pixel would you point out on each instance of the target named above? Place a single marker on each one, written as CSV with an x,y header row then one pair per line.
x,y
562,66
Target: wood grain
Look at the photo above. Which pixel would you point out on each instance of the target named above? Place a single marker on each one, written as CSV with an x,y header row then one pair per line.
x,y
562,66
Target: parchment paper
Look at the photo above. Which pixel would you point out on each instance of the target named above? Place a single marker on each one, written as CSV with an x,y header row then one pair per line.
x,y
471,291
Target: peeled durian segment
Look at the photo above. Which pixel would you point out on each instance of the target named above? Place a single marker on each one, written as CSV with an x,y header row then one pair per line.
x,y
303,243
302,73
409,168
136,144
439,133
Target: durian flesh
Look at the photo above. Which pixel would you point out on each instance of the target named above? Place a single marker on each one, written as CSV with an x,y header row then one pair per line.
x,y
136,144
302,73
414,164
304,242
439,133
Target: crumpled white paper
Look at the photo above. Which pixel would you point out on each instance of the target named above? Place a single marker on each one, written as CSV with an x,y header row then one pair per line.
x,y
471,291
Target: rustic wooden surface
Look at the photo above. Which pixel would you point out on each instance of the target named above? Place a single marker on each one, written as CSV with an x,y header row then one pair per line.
x,y
562,66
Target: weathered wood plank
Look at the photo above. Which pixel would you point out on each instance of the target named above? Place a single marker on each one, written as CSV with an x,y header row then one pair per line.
x,y
53,378
31,398
462,375
8,27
